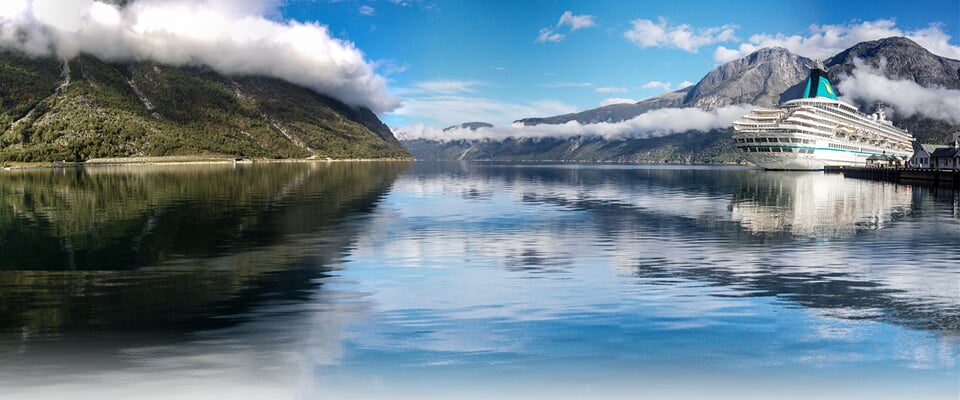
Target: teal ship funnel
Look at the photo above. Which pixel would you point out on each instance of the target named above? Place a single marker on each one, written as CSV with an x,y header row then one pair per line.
x,y
817,84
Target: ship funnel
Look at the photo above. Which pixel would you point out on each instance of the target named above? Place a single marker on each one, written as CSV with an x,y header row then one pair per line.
x,y
817,84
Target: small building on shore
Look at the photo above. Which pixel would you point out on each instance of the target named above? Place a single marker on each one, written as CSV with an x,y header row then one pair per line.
x,y
921,154
937,156
945,158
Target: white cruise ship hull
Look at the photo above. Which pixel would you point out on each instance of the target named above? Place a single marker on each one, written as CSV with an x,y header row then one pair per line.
x,y
819,130
805,157
813,133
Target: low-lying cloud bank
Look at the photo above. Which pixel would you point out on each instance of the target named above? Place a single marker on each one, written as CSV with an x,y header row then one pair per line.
x,y
655,123
232,37
868,84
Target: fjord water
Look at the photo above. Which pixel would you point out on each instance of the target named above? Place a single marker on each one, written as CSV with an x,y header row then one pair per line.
x,y
449,280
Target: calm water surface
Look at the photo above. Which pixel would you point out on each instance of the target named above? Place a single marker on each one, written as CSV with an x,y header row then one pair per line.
x,y
427,280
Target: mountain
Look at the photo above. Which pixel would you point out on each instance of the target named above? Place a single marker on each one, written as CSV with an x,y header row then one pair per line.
x,y
88,108
901,58
615,112
766,77
686,148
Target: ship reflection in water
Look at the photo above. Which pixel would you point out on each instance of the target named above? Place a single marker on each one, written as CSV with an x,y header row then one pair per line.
x,y
818,205
448,280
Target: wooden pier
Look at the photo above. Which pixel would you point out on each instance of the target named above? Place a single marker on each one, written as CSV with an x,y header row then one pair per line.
x,y
936,177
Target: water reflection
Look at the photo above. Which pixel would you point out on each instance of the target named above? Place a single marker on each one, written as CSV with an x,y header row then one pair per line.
x,y
151,248
497,281
818,205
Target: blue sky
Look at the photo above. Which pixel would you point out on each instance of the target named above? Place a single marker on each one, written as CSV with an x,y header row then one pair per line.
x,y
505,60
423,64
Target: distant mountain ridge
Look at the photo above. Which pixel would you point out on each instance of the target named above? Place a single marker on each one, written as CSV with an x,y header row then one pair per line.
x,y
766,77
87,108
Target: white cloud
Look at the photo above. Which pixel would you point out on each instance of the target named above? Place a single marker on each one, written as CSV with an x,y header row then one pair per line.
x,y
367,10
665,86
908,98
725,55
440,87
232,37
575,22
609,89
389,67
936,41
646,33
617,100
685,84
825,41
566,84
548,35
655,123
446,109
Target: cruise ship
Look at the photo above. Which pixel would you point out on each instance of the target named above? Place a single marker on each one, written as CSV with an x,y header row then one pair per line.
x,y
818,130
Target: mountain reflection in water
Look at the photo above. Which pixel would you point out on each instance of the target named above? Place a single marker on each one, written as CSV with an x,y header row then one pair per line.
x,y
450,280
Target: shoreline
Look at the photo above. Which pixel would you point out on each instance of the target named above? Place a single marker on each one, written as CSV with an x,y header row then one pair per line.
x,y
184,160
221,159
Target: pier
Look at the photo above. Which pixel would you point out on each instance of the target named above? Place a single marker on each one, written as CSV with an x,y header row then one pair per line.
x,y
936,177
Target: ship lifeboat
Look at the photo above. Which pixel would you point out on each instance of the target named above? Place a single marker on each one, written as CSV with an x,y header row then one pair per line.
x,y
845,128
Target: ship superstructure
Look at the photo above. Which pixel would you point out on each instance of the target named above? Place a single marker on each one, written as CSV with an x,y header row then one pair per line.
x,y
818,130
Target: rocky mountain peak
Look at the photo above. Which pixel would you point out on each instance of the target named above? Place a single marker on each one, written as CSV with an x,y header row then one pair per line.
x,y
898,58
763,77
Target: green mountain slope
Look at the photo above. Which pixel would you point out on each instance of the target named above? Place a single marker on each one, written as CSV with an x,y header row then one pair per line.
x,y
88,108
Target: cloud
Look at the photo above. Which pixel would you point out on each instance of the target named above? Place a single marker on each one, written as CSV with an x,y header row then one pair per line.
x,y
574,22
389,67
685,84
367,10
646,33
452,109
908,98
665,86
442,86
566,84
231,37
656,123
608,89
548,35
825,41
617,100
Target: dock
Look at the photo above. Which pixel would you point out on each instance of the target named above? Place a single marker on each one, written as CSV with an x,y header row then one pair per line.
x,y
936,177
